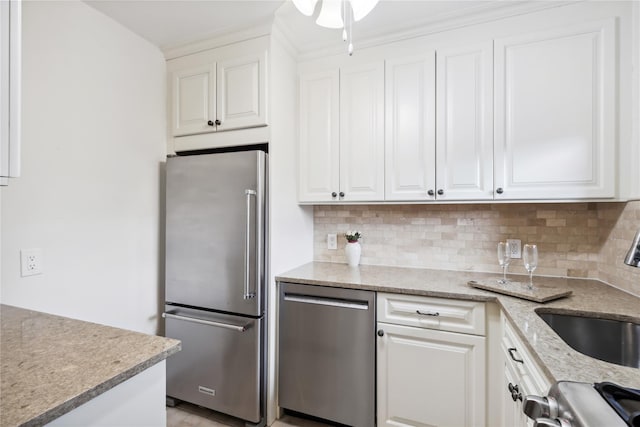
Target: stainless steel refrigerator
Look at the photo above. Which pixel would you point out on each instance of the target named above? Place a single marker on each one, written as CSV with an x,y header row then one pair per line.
x,y
215,281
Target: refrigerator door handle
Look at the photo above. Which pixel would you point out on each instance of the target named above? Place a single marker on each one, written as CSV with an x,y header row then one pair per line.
x,y
247,246
239,328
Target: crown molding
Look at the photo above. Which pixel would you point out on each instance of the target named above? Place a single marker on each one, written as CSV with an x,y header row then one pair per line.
x,y
252,31
281,33
436,24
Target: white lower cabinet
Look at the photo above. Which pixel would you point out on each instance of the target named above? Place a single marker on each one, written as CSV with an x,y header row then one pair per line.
x,y
522,377
513,393
138,401
427,375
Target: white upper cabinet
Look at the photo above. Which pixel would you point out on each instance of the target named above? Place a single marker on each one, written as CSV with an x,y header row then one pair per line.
x,y
464,128
341,155
319,156
194,96
10,93
410,164
241,97
362,132
447,159
218,90
555,121
510,110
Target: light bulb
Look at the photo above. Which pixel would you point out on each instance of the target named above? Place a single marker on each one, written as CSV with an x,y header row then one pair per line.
x,y
361,8
330,14
306,7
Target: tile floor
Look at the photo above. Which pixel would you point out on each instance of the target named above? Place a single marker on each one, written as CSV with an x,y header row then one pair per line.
x,y
188,415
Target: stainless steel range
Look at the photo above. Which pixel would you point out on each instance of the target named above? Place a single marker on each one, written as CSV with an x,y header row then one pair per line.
x,y
574,404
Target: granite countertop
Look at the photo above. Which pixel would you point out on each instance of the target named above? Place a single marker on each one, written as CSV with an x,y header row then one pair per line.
x,y
50,365
556,358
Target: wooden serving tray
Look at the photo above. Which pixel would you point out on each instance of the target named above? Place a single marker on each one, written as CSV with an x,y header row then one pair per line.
x,y
539,294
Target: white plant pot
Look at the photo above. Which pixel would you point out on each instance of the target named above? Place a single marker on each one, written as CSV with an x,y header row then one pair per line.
x,y
353,251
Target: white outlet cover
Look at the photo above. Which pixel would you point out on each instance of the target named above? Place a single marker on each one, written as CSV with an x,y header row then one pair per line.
x,y
31,262
516,248
332,241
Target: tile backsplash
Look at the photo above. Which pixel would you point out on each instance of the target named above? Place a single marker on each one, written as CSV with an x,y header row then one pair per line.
x,y
574,239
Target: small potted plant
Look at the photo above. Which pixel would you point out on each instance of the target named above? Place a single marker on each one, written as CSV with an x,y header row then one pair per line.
x,y
353,249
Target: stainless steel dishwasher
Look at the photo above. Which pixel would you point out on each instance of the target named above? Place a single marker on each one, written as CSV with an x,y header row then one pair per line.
x,y
327,353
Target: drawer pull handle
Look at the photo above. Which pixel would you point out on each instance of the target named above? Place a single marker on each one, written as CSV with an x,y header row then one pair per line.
x,y
332,302
428,313
511,351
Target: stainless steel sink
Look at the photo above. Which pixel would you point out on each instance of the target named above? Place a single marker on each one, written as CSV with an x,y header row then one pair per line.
x,y
613,341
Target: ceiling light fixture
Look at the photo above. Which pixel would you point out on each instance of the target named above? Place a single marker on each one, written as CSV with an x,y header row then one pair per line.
x,y
337,14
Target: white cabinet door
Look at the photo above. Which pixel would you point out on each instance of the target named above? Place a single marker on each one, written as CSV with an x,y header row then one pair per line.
x,y
194,94
429,377
512,415
241,90
410,128
555,117
522,377
10,89
464,139
319,156
362,132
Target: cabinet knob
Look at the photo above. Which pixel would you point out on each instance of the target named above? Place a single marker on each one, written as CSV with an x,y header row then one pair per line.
x,y
499,190
515,392
430,193
210,123
342,194
380,333
218,122
440,192
334,194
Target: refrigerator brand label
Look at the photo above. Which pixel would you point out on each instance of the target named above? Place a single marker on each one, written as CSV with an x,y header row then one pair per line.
x,y
206,390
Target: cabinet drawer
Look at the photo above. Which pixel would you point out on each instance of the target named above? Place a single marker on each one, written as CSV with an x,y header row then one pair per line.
x,y
517,355
444,314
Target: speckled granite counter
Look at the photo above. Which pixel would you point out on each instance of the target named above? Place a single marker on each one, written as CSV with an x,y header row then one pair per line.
x,y
556,358
51,364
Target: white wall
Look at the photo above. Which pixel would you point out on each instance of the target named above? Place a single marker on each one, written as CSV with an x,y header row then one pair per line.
x,y
291,225
93,141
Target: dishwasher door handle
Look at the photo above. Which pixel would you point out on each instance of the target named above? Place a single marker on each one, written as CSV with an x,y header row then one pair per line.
x,y
238,328
327,301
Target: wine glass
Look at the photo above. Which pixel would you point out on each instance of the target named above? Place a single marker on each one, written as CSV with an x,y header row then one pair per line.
x,y
530,258
504,258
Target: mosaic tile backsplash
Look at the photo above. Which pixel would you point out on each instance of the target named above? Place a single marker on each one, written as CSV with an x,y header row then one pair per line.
x,y
574,239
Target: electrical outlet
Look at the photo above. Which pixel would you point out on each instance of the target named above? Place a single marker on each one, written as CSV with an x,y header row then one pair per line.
x,y
332,241
516,248
31,262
